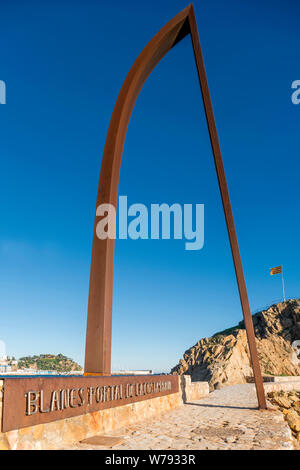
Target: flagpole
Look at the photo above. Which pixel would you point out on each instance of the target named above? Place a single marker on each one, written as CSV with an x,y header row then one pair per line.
x,y
283,289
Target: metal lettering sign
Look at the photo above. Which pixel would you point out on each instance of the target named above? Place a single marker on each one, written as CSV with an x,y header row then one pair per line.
x,y
38,400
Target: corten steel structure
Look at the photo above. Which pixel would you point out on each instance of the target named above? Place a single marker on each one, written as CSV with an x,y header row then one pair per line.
x,y
98,337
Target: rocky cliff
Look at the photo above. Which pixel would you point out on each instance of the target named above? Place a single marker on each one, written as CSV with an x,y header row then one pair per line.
x,y
223,359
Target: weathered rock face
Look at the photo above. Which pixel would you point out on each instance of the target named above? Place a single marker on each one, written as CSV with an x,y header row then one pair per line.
x,y
224,359
289,405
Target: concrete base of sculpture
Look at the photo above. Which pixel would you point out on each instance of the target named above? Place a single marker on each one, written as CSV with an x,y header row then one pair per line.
x,y
67,431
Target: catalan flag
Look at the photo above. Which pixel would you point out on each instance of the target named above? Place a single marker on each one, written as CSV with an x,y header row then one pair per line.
x,y
277,270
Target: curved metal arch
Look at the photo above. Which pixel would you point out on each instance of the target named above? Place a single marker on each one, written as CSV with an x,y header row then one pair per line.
x,y
99,322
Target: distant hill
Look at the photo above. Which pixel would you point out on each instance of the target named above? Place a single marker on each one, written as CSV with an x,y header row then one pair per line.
x,y
59,363
223,359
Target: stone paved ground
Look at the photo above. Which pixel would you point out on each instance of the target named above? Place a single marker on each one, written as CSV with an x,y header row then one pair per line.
x,y
226,419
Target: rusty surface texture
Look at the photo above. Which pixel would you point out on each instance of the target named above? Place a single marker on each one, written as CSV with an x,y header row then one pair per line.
x,y
98,337
38,400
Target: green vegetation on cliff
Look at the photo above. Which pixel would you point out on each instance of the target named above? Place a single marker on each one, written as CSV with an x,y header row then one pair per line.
x,y
59,363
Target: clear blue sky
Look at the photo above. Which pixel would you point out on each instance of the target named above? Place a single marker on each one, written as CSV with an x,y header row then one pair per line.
x,y
64,63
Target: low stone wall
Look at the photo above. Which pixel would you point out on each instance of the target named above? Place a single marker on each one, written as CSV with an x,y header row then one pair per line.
x,y
282,386
193,390
275,379
68,431
71,430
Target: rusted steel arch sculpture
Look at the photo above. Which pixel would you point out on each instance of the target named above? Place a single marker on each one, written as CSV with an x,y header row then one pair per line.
x,y
99,322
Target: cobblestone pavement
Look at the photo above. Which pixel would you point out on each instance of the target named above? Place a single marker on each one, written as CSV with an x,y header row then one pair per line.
x,y
226,419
